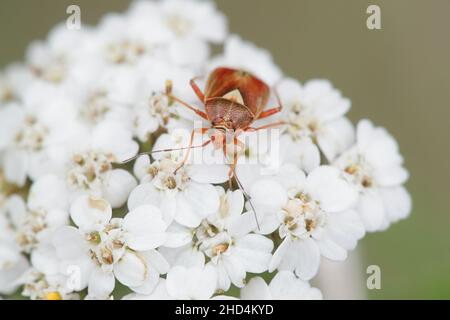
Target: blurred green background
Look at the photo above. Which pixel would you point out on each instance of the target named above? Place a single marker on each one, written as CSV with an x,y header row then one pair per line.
x,y
398,76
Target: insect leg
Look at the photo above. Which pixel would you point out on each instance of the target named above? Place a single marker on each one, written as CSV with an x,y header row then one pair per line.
x,y
170,95
162,150
232,173
269,112
186,157
197,90
272,111
267,126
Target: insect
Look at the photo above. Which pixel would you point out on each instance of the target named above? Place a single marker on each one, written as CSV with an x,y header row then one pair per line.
x,y
233,99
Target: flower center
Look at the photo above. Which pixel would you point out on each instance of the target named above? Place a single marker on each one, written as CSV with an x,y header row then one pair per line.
x,y
6,93
359,172
37,287
32,135
178,24
212,241
301,216
168,175
301,122
95,108
88,169
159,107
107,246
124,52
27,235
54,72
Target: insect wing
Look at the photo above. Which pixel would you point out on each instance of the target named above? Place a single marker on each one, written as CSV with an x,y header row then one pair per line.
x,y
254,92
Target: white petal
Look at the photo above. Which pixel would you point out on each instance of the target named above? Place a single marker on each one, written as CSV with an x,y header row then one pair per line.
x,y
203,198
331,250
191,283
346,228
337,137
157,261
280,253
397,202
41,198
11,120
256,289
286,286
110,137
101,284
159,293
244,224
308,258
371,209
185,215
391,176
117,187
16,209
268,193
9,276
141,166
87,211
235,270
45,260
334,194
131,269
254,252
149,283
186,256
208,173
15,167
304,152
177,236
143,194
69,243
145,228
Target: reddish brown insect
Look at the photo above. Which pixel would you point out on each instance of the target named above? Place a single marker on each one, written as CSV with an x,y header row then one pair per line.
x,y
233,100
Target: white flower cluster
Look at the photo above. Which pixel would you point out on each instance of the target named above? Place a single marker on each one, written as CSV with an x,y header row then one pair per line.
x,y
75,221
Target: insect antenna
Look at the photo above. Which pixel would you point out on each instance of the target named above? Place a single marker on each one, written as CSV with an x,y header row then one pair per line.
x,y
164,150
247,196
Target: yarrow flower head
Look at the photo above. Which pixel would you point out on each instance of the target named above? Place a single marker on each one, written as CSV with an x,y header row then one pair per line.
x,y
116,168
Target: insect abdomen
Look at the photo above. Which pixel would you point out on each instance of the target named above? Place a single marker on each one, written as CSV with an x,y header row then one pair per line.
x,y
228,114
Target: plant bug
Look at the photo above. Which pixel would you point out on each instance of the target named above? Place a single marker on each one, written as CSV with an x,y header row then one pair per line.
x,y
234,99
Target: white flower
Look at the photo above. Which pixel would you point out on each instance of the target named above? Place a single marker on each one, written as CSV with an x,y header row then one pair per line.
x,y
72,122
12,262
106,249
313,215
30,136
90,167
222,241
194,283
176,19
34,221
375,166
183,193
284,286
315,111
152,115
245,55
13,83
12,265
39,286
25,227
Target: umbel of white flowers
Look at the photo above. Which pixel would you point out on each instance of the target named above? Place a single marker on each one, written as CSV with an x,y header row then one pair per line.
x,y
67,117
